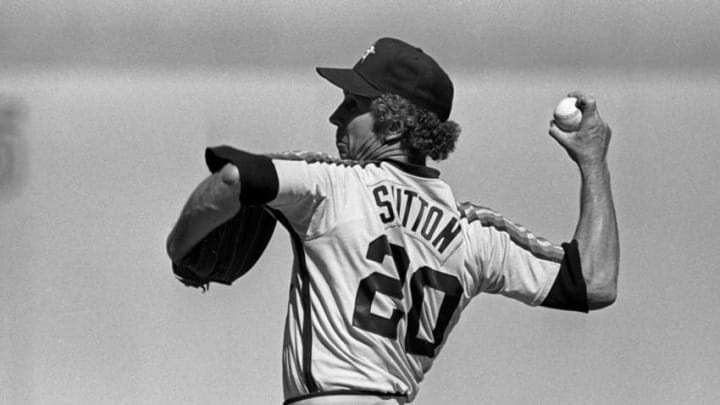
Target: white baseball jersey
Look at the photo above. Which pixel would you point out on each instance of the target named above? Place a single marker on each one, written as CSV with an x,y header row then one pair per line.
x,y
385,262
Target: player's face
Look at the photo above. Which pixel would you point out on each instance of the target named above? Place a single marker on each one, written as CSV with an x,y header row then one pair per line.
x,y
354,137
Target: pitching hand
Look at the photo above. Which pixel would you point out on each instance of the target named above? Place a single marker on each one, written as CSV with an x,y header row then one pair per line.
x,y
589,144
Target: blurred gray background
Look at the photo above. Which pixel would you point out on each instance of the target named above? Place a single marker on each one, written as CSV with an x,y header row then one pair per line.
x,y
106,107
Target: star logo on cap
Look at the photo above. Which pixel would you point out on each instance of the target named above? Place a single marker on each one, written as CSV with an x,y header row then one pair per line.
x,y
367,53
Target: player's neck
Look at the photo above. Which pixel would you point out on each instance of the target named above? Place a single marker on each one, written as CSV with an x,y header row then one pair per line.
x,y
407,158
378,150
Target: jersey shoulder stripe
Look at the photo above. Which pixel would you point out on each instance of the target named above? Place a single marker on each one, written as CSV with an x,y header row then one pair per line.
x,y
318,157
538,246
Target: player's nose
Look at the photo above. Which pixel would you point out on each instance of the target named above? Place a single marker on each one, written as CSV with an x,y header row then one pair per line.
x,y
337,117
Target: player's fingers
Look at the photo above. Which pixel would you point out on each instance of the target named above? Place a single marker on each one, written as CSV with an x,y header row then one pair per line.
x,y
586,103
557,133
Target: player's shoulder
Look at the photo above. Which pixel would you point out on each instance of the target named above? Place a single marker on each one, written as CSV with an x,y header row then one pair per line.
x,y
332,167
478,221
319,157
472,212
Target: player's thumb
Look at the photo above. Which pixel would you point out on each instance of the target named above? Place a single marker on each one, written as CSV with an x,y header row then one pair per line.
x,y
586,103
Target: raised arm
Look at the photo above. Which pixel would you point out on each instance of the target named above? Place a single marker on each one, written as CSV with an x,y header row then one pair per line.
x,y
214,201
596,231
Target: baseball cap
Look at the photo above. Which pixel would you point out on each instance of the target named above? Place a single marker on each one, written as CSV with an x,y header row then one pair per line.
x,y
393,66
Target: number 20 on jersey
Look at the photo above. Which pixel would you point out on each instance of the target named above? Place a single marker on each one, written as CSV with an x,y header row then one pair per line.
x,y
423,277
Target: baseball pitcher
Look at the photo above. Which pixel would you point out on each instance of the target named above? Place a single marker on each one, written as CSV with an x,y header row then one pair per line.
x,y
385,258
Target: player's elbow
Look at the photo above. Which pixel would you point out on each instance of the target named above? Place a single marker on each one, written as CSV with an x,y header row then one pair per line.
x,y
601,295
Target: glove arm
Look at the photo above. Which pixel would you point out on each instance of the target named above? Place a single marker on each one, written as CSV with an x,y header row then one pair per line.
x,y
213,202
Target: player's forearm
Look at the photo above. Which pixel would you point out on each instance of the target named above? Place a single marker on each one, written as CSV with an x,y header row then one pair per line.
x,y
192,227
597,236
210,205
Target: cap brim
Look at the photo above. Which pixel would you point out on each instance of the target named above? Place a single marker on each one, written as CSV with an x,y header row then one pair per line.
x,y
349,80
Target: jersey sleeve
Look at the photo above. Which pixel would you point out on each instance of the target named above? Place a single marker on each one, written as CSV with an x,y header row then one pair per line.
x,y
297,185
512,261
312,194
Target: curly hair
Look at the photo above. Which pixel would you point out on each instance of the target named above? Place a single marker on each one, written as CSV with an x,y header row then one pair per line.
x,y
423,131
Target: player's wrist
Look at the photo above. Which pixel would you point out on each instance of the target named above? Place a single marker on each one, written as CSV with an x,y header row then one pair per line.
x,y
593,167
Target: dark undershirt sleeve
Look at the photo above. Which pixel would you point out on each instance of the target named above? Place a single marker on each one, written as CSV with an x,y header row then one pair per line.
x,y
569,291
258,178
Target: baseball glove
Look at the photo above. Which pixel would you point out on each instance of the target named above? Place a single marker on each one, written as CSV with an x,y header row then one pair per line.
x,y
229,251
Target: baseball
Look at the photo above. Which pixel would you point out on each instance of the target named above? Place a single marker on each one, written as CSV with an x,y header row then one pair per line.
x,y
567,116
